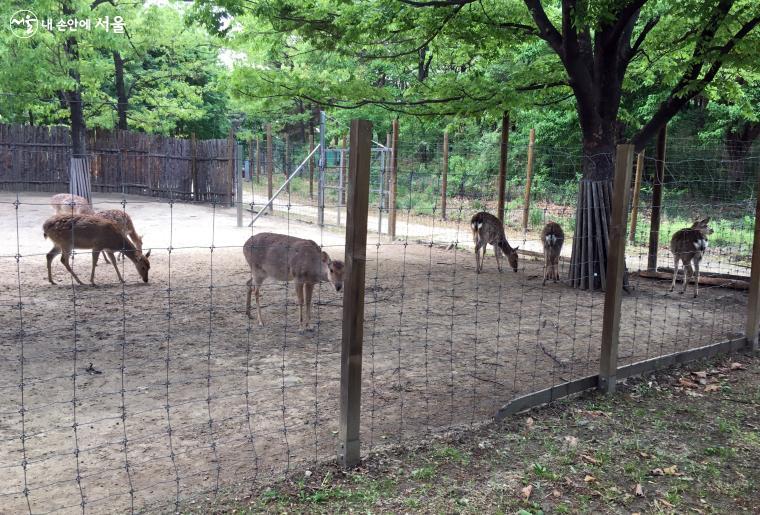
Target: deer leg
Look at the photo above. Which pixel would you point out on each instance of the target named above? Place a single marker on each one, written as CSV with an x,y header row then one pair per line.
x,y
696,278
65,261
477,257
257,294
308,290
299,294
105,257
50,256
115,266
95,256
675,273
497,253
546,266
248,283
688,272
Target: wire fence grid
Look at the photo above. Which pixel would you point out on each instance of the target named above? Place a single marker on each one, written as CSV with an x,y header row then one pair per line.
x,y
145,397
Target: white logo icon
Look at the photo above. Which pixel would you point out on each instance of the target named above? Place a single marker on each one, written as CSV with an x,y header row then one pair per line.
x,y
24,23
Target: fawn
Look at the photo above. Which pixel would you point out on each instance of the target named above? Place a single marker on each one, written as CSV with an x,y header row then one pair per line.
x,y
67,204
487,229
552,238
688,245
70,232
286,258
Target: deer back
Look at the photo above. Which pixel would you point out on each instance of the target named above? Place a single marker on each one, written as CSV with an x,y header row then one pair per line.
x,y
66,203
124,222
553,237
86,232
284,257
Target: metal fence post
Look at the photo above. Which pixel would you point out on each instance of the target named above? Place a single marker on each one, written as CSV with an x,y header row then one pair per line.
x,y
444,173
360,149
753,302
270,165
503,152
393,189
528,179
615,269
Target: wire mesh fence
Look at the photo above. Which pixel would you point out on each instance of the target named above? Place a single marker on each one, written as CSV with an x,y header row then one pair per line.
x,y
145,397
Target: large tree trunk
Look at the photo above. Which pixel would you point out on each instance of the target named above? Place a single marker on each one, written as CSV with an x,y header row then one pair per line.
x,y
122,102
739,141
592,216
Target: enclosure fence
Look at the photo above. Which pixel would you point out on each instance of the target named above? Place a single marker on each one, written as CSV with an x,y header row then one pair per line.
x,y
157,396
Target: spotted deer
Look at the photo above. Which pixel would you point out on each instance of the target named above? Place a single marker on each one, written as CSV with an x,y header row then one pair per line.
x,y
552,238
487,230
69,232
287,258
68,204
688,245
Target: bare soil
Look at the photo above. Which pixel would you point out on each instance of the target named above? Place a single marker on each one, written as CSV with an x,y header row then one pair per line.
x,y
137,394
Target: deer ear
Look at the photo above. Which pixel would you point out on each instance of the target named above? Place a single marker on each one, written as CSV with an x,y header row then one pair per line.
x,y
147,254
515,249
326,258
706,220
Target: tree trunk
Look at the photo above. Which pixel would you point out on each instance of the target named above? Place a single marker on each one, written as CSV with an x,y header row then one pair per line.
x,y
122,102
588,263
738,144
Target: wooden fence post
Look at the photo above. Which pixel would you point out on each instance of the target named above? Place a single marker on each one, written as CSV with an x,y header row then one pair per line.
x,y
753,302
194,165
269,165
286,160
393,187
528,179
311,166
613,295
343,178
353,297
231,167
659,178
636,191
444,173
503,151
258,160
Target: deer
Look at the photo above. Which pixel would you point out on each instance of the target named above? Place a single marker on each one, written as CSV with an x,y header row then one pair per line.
x,y
66,203
86,231
688,245
124,222
487,229
286,258
552,238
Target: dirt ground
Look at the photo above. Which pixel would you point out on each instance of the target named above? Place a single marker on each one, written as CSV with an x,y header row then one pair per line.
x,y
152,393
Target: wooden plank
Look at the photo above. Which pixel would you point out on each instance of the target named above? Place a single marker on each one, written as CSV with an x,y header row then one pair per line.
x,y
528,178
636,192
596,195
659,179
705,278
545,396
353,298
589,239
615,268
501,186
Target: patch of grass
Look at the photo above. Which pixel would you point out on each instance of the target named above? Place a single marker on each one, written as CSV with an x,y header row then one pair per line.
x,y
451,454
423,473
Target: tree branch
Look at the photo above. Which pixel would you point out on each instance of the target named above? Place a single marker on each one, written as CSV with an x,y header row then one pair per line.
x,y
438,3
631,51
546,30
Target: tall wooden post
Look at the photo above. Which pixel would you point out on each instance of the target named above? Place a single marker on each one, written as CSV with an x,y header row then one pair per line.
x,y
270,165
231,167
503,150
753,302
353,298
258,160
444,173
286,160
613,296
528,179
311,166
636,191
194,166
388,144
659,179
393,189
343,172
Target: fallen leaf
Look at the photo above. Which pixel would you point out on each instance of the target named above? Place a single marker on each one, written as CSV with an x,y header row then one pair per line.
x,y
712,388
638,491
737,366
644,455
657,472
571,441
589,478
666,503
529,423
588,458
556,493
527,491
701,374
688,383
671,471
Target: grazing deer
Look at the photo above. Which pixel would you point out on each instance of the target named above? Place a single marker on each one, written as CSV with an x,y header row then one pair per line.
x,y
67,204
125,225
487,229
286,258
688,245
552,238
70,232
